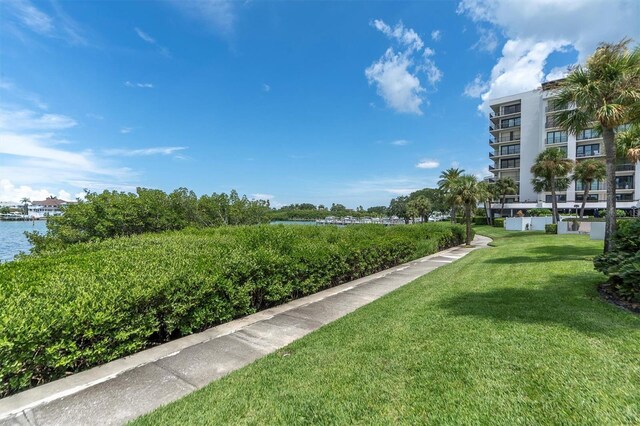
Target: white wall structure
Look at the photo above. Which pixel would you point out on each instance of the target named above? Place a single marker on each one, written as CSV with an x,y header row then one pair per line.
x,y
517,223
597,230
521,126
538,223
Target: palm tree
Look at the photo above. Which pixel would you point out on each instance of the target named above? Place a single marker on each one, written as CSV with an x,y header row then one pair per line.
x,y
550,171
26,202
628,143
467,192
505,186
487,193
446,183
586,172
605,93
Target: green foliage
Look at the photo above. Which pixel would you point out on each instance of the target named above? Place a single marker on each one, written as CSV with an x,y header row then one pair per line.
x,y
619,213
539,212
5,210
479,220
551,228
115,214
93,302
622,263
498,222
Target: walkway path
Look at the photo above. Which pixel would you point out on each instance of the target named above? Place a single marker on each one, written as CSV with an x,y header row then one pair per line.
x,y
124,389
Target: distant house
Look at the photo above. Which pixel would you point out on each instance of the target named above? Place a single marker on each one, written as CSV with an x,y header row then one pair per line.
x,y
50,207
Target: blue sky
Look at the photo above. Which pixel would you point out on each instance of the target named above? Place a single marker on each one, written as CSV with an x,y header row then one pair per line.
x,y
350,102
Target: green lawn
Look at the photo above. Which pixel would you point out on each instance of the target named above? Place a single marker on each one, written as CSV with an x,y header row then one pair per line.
x,y
514,334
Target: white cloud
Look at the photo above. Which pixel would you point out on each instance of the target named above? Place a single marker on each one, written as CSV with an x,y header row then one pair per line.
x,y
557,73
14,90
20,119
400,142
428,164
266,88
159,150
60,26
37,160
94,116
475,88
487,40
140,85
396,74
146,37
260,196
436,35
217,15
126,130
537,28
15,193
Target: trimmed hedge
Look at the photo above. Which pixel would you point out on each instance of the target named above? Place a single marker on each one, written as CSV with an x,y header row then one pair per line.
x,y
551,228
91,303
498,222
622,264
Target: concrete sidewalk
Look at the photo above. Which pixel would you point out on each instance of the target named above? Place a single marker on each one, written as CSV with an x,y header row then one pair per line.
x,y
124,389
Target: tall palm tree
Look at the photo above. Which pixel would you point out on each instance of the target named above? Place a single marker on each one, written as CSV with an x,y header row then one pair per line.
x,y
604,94
487,193
467,192
25,201
505,186
586,172
550,173
446,183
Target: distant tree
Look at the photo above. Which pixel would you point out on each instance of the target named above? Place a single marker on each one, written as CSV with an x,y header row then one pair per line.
x,y
25,202
503,187
551,170
378,210
398,207
338,208
435,196
5,210
445,184
419,207
487,192
587,171
605,91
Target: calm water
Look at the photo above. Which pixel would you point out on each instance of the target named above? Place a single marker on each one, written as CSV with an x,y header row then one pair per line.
x,y
12,239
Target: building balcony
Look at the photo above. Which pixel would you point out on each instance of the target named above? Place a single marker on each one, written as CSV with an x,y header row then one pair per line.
x,y
625,168
595,154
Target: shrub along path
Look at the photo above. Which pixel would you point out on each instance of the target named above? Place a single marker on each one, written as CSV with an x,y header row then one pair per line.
x,y
516,334
126,388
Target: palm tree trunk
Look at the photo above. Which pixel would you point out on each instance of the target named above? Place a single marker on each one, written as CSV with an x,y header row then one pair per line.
x,y
467,214
608,137
453,215
584,197
554,201
502,208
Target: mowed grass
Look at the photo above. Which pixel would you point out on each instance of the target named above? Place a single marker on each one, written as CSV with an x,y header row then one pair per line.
x,y
513,334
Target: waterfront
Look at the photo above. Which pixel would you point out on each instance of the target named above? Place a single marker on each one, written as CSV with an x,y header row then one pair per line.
x,y
12,239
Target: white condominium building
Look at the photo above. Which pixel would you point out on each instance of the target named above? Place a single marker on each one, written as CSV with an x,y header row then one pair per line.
x,y
522,125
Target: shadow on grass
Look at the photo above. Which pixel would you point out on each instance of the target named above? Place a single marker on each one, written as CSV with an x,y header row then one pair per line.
x,y
564,301
548,253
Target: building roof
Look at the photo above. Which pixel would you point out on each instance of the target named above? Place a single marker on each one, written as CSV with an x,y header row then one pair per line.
x,y
50,202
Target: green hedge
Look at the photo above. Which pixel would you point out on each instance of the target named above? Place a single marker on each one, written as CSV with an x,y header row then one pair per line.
x,y
66,311
622,264
498,222
551,228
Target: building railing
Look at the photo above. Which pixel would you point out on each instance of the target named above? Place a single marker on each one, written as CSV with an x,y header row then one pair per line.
x,y
625,168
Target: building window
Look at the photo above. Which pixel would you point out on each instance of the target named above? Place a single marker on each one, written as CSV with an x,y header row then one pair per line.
x,y
588,150
554,105
510,136
624,197
590,197
562,198
596,185
552,121
587,134
556,137
510,163
510,149
624,182
510,109
509,122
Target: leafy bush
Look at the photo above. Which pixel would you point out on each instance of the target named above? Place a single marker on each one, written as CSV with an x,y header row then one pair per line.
x,y
478,220
622,264
93,302
539,212
619,213
498,222
551,228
